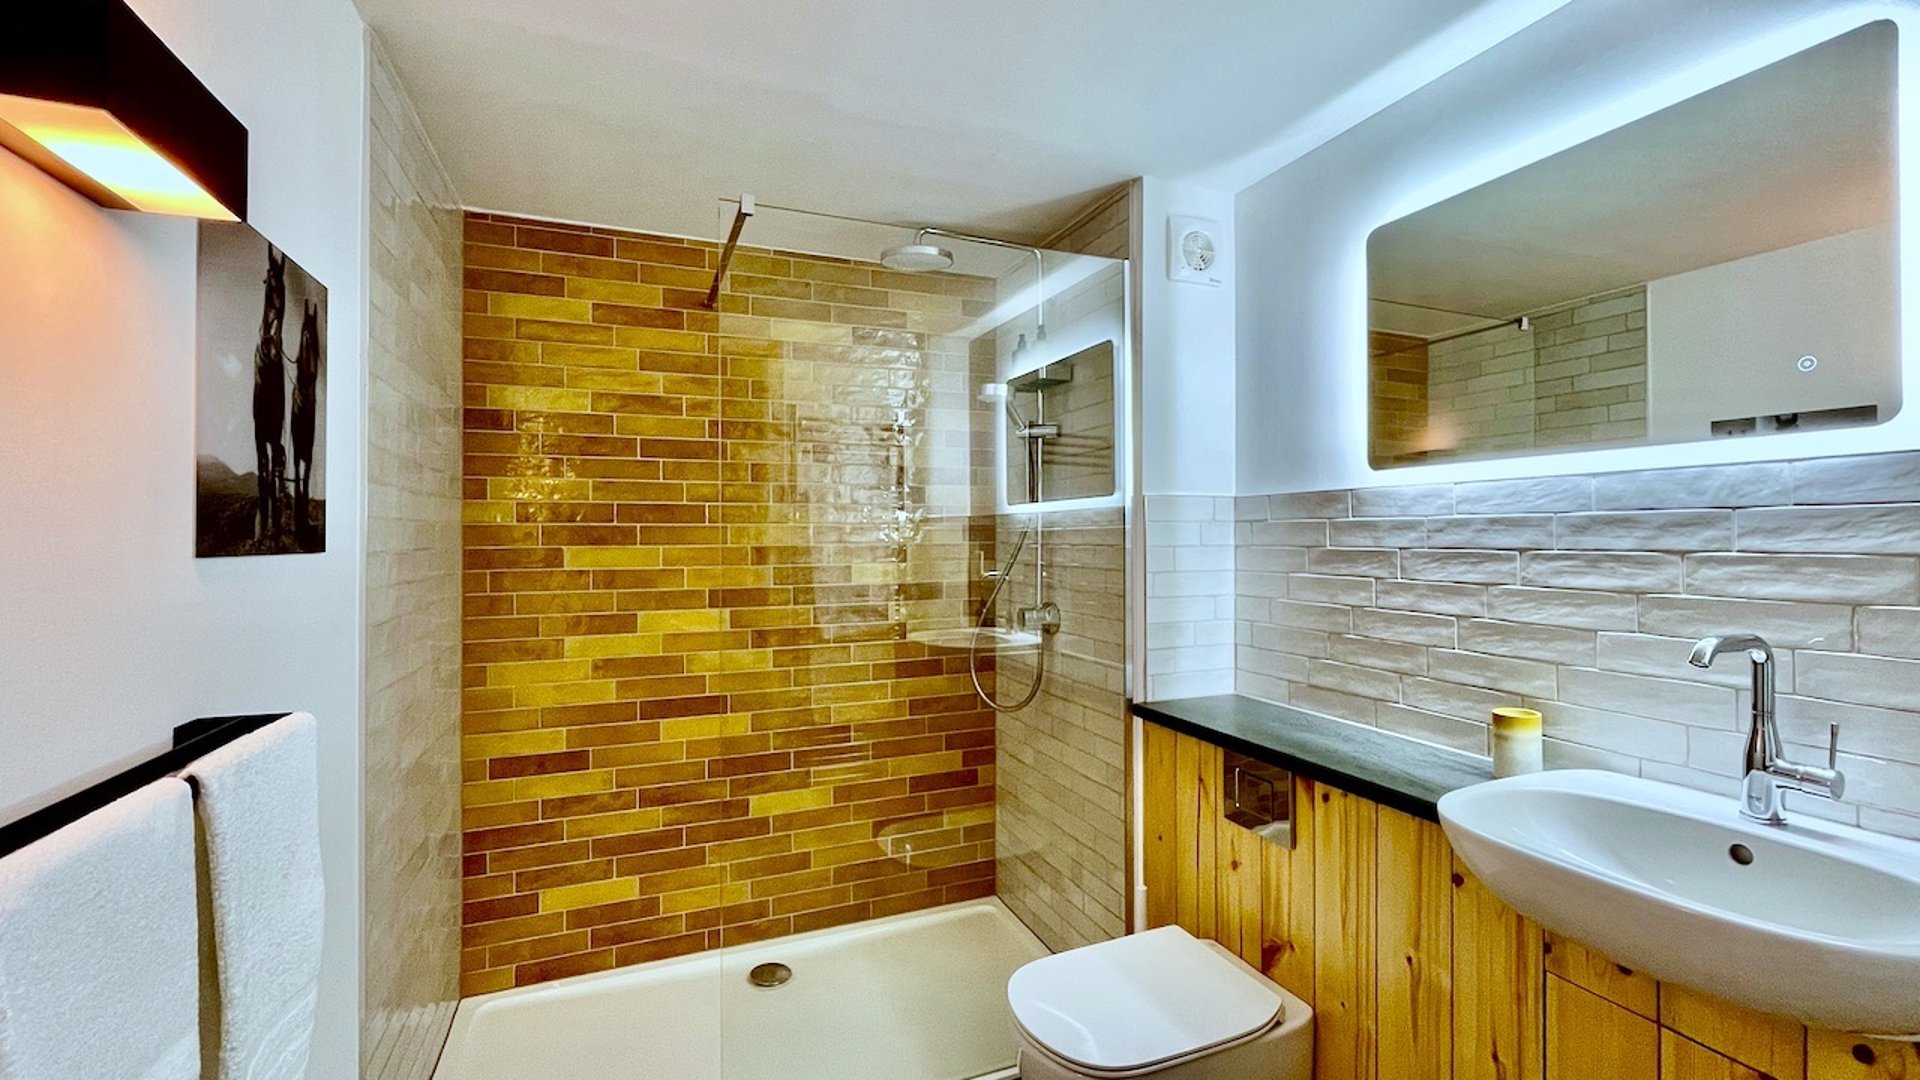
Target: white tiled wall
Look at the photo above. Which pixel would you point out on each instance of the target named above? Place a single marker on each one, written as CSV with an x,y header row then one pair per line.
x,y
411,752
1418,609
1190,591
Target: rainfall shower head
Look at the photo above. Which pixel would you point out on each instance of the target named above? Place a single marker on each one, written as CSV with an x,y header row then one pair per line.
x,y
916,258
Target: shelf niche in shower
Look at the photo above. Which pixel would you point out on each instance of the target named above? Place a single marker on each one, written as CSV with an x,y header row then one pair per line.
x,y
999,639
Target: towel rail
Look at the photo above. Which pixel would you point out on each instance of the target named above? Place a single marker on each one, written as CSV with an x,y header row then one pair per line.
x,y
191,741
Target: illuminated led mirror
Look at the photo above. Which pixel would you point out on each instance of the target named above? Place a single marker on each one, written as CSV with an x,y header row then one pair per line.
x,y
1724,268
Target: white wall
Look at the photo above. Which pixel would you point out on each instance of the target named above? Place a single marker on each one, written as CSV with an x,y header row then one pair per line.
x,y
1724,341
1187,424
1590,66
1187,355
114,632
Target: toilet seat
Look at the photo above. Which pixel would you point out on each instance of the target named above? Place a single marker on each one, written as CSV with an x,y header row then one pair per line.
x,y
1140,1004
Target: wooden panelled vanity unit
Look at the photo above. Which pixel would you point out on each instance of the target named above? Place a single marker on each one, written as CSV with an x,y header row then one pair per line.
x,y
1415,971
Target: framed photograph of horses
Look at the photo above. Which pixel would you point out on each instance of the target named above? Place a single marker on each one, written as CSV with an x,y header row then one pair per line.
x,y
262,390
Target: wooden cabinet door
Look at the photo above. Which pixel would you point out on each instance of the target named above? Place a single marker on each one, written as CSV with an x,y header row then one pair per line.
x,y
1589,1037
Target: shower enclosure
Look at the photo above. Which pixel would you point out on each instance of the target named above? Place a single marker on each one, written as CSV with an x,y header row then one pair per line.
x,y
794,612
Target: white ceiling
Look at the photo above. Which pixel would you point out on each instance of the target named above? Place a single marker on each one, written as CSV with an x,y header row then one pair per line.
x,y
1800,150
999,116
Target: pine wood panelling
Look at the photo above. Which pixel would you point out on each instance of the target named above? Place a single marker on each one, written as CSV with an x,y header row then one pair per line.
x,y
1683,1059
1590,1037
1414,911
1286,901
1772,1044
1834,1055
1589,970
1242,870
1345,1037
1160,800
1498,958
1417,972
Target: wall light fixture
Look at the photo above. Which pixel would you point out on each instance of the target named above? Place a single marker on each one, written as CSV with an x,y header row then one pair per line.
x,y
92,96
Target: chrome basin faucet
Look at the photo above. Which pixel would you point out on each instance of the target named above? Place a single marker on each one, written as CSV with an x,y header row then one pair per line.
x,y
1768,771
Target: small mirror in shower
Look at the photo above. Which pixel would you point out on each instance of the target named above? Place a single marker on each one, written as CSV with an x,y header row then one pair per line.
x,y
1060,429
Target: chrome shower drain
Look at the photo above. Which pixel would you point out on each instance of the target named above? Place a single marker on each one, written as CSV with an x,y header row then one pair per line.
x,y
768,976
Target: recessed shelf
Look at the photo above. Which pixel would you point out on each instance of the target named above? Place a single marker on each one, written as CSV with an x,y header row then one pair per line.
x,y
962,637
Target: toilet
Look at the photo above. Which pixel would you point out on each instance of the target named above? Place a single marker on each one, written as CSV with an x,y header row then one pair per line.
x,y
1160,1004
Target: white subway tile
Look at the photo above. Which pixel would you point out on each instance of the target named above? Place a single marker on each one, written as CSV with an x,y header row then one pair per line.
x,y
1457,700
1379,532
1263,687
1874,478
1647,530
1352,679
1534,641
1359,562
1467,566
1617,732
1337,618
1531,677
1514,532
1661,699
1666,658
1286,639
1287,533
1189,684
1562,607
1874,732
1273,665
1436,598
1842,530
1162,508
1359,710
1534,495
1450,732
1861,680
1331,589
1282,559
1835,579
1785,624
1890,631
1311,504
1677,489
1608,571
1407,627
1389,502
1383,655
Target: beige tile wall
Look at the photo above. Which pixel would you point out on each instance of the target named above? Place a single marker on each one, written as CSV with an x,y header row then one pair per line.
x,y
1062,824
411,750
1576,376
1418,609
1061,778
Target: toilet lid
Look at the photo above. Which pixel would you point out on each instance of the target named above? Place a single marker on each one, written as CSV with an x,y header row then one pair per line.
x,y
1139,1001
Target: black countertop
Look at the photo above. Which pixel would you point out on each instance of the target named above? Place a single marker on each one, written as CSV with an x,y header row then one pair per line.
x,y
1390,769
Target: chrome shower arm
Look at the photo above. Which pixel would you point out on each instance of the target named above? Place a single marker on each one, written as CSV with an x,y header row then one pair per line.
x,y
1039,264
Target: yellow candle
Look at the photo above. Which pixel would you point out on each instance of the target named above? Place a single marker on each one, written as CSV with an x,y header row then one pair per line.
x,y
1517,745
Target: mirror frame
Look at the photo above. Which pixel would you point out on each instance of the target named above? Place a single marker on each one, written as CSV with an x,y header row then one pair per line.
x,y
1901,432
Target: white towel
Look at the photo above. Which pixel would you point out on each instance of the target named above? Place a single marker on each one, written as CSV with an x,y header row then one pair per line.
x,y
260,821
99,973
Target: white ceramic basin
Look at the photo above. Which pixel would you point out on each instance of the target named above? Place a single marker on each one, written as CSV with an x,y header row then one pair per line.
x,y
1814,920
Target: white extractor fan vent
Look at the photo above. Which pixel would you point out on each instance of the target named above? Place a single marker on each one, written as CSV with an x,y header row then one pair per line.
x,y
1193,252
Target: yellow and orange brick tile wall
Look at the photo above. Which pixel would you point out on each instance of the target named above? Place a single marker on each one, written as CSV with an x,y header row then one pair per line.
x,y
690,718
